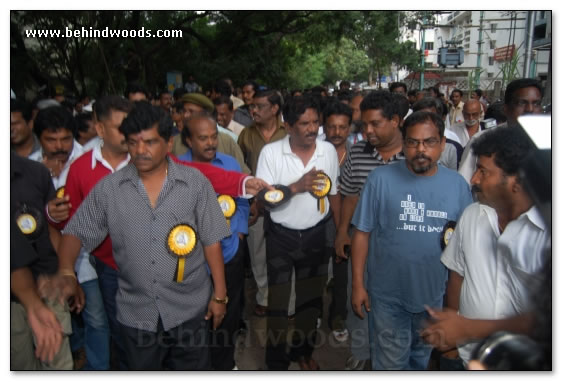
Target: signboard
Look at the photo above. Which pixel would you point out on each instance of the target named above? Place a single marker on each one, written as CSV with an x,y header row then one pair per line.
x,y
174,80
504,53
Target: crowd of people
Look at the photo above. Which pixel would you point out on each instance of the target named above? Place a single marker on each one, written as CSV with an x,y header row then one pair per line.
x,y
134,218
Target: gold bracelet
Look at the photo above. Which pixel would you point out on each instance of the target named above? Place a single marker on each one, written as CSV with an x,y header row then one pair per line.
x,y
67,272
223,301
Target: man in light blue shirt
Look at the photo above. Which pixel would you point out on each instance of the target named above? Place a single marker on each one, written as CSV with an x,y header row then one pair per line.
x,y
202,138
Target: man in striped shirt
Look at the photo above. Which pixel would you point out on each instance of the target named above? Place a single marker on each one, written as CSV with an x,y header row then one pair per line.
x,y
383,145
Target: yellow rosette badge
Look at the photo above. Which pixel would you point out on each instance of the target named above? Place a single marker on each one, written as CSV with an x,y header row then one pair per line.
x,y
181,242
60,192
228,206
321,190
26,223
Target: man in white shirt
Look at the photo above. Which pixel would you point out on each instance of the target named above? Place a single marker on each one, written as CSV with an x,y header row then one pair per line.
x,y
470,124
455,114
295,231
496,253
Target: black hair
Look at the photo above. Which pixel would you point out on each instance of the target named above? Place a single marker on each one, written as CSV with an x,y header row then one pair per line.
x,y
143,117
164,91
479,92
223,88
54,118
135,87
296,107
178,93
337,108
342,83
421,117
344,95
22,106
412,93
318,89
254,85
518,84
223,100
106,104
380,100
396,85
296,91
509,147
496,111
427,103
273,97
456,90
402,104
82,120
186,133
178,106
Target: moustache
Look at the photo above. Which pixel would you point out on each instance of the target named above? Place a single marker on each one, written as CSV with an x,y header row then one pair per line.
x,y
210,149
141,157
311,135
471,122
60,152
475,189
421,156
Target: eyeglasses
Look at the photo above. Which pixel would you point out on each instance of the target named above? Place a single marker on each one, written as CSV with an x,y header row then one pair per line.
x,y
259,106
428,142
524,103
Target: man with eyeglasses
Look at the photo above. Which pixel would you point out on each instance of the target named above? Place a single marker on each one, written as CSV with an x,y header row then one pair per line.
x,y
522,97
470,125
403,210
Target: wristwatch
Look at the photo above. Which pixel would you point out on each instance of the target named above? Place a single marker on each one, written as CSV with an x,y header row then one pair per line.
x,y
220,300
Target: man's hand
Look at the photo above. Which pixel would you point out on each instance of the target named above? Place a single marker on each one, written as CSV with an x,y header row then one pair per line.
x,y
308,182
47,331
360,297
59,208
254,185
254,213
217,311
446,330
61,288
342,239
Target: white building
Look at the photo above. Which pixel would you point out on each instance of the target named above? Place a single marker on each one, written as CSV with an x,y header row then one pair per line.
x,y
503,36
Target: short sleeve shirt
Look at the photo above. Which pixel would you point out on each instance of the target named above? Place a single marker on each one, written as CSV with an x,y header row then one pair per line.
x,y
119,205
405,214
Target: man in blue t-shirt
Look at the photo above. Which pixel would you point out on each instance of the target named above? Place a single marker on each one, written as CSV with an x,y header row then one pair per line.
x,y
399,220
201,135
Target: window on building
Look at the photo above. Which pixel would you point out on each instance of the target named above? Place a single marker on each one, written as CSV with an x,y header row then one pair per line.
x,y
491,61
490,75
493,28
492,44
429,45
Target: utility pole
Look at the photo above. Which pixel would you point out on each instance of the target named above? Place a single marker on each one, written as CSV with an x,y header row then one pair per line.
x,y
530,37
479,52
422,53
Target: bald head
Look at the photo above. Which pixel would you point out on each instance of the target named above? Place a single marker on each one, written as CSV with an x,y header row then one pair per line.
x,y
471,112
201,135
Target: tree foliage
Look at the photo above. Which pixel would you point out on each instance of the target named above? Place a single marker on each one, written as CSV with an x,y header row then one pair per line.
x,y
283,49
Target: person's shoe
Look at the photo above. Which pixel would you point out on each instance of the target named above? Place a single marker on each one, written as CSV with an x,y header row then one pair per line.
x,y
260,310
354,364
340,335
307,363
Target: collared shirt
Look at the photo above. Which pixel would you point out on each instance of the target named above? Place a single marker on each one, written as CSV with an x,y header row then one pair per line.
x,y
31,188
235,127
360,161
460,130
239,221
119,206
35,148
242,116
60,180
500,271
251,142
84,174
279,165
455,114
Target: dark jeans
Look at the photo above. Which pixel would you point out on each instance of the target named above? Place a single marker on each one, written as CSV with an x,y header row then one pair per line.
x,y
337,309
223,339
305,252
107,279
185,347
